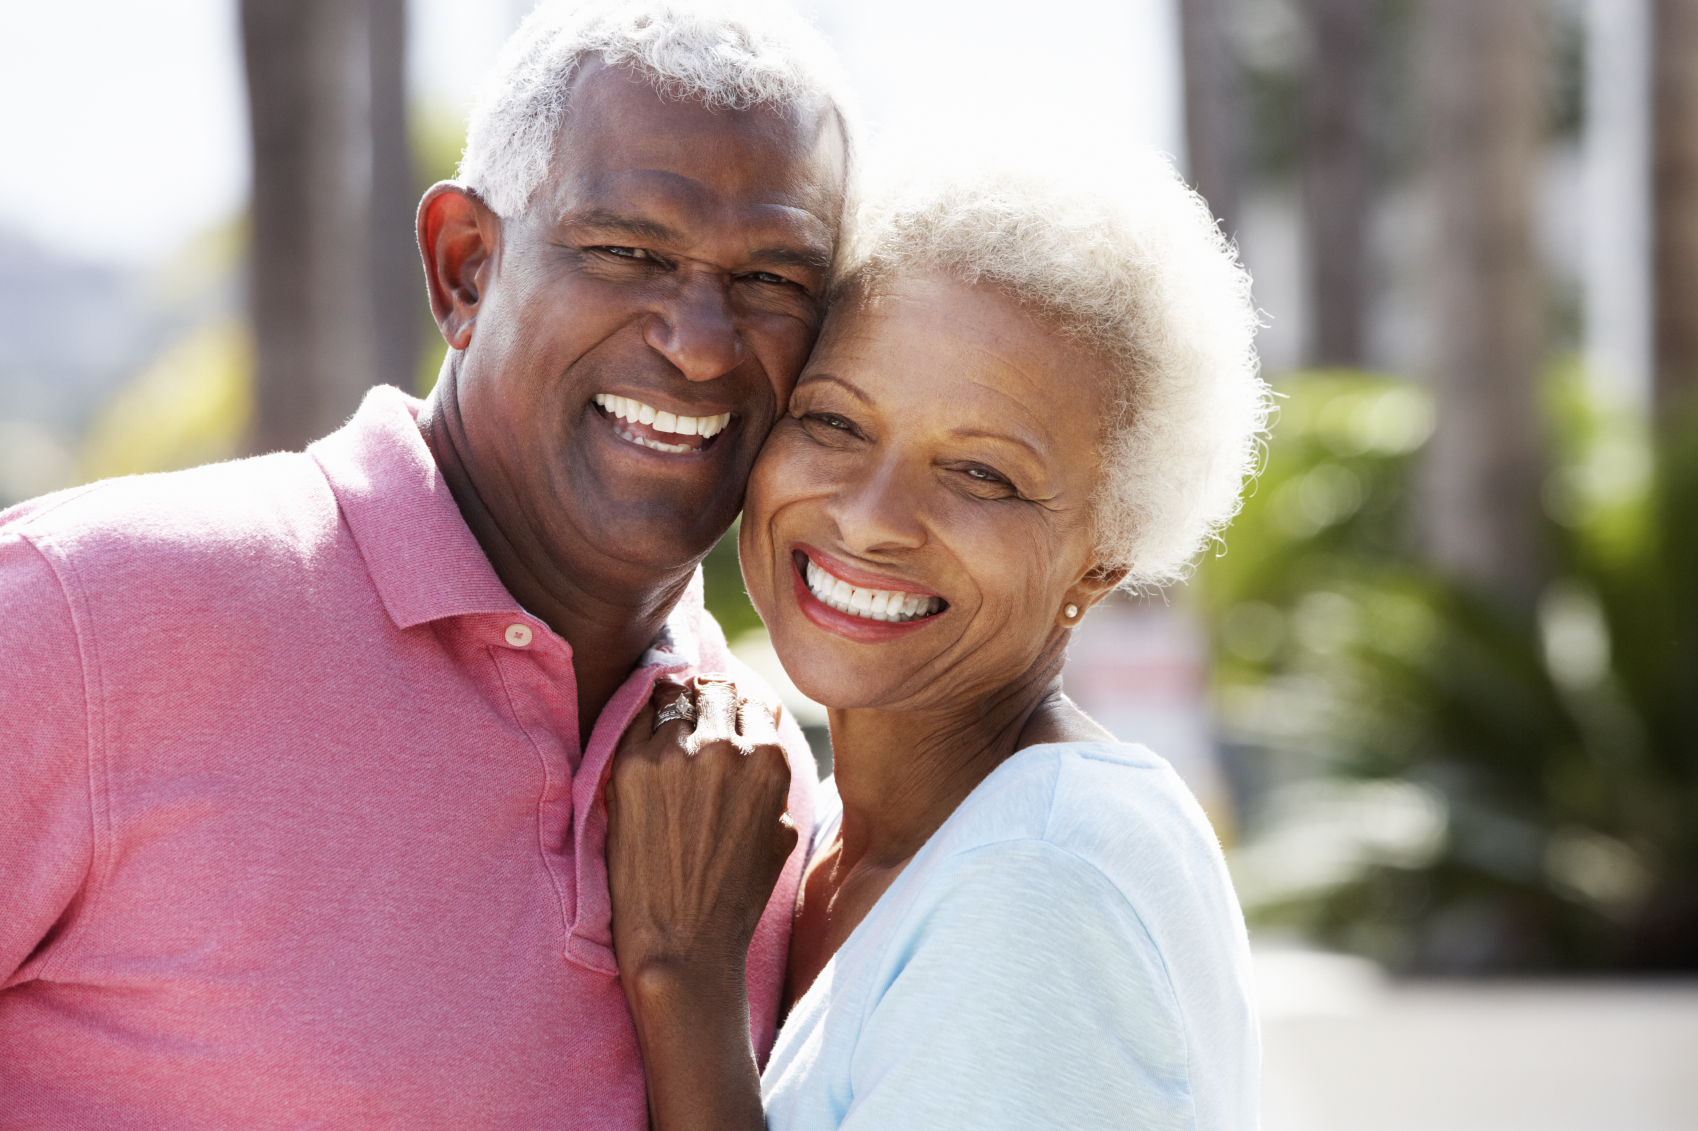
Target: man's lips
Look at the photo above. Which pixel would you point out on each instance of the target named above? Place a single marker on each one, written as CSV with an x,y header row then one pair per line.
x,y
646,426
873,610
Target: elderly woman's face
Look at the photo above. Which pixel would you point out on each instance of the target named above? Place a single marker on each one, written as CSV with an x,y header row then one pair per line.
x,y
921,515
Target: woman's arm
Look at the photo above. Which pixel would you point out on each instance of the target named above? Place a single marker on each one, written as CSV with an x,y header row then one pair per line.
x,y
697,837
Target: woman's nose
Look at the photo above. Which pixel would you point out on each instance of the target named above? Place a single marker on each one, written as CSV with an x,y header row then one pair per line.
x,y
880,509
695,330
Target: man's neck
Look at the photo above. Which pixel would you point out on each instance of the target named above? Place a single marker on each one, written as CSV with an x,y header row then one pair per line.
x,y
607,611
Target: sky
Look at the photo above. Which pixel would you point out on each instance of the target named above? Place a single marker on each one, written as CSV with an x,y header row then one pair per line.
x,y
128,130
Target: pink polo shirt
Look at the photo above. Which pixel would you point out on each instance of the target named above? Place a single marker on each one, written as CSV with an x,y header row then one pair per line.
x,y
295,830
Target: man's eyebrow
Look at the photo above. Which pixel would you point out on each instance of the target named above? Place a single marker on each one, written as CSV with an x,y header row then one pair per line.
x,y
606,220
611,222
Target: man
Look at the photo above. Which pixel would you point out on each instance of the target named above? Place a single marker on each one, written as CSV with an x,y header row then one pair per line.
x,y
300,756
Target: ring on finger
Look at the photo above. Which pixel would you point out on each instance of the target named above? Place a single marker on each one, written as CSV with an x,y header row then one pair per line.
x,y
680,710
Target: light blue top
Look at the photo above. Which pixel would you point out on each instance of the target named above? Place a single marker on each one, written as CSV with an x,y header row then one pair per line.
x,y
1065,952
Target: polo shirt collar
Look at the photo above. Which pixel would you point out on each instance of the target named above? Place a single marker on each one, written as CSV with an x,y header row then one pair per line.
x,y
423,559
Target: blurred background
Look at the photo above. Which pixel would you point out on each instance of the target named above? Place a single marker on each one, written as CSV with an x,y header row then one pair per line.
x,y
1438,689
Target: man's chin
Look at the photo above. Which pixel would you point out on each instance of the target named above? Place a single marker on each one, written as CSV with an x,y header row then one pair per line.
x,y
656,536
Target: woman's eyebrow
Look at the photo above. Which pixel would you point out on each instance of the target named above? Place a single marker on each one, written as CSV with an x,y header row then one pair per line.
x,y
1005,437
847,386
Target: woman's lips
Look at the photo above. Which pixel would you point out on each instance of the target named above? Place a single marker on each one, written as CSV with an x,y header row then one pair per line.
x,y
861,612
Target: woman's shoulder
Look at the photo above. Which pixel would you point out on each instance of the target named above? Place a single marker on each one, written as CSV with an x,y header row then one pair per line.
x,y
1116,806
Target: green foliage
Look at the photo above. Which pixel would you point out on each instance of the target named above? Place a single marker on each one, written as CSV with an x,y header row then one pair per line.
x,y
727,600
1456,781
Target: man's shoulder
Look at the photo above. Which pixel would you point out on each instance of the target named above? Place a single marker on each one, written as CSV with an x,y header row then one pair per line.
x,y
276,500
225,525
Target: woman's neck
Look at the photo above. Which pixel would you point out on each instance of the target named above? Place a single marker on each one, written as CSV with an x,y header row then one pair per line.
x,y
901,773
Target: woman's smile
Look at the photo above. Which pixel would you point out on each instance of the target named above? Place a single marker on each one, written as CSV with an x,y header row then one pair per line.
x,y
861,612
850,591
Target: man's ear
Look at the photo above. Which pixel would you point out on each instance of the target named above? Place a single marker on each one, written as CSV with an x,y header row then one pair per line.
x,y
1097,583
458,234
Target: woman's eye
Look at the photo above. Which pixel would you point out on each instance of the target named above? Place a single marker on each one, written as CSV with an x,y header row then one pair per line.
x,y
767,277
985,475
828,422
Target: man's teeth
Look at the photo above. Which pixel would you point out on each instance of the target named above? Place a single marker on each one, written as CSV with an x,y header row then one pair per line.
x,y
874,604
624,408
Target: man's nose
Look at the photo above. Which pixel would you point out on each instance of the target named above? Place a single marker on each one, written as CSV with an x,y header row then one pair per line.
x,y
695,330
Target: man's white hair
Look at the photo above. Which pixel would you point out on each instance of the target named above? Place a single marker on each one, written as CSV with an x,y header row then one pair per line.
x,y
731,54
1134,268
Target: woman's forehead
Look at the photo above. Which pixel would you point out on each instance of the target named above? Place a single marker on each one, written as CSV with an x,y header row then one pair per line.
x,y
926,336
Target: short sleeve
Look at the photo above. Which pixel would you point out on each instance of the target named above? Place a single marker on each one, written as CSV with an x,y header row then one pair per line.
x,y
46,824
1026,995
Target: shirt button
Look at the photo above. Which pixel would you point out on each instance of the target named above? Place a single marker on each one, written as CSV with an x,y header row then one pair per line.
x,y
519,635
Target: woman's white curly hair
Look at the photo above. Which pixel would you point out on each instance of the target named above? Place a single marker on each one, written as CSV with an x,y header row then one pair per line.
x,y
1134,268
731,54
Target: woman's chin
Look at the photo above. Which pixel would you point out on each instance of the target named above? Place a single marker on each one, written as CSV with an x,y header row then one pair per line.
x,y
838,688
839,678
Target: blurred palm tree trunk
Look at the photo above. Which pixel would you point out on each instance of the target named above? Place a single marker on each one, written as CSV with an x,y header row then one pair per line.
x,y
1336,177
333,279
1485,85
1674,188
1212,107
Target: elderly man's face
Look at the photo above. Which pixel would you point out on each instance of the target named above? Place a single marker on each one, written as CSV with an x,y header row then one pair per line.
x,y
642,325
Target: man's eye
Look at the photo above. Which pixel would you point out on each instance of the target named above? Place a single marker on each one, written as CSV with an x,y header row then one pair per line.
x,y
767,277
985,475
627,252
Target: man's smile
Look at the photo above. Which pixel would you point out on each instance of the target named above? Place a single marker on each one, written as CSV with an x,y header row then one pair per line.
x,y
662,431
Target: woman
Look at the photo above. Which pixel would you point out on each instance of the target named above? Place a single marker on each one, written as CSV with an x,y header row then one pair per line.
x,y
1024,397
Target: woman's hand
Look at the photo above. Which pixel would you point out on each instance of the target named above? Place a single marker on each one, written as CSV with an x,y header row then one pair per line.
x,y
697,834
696,839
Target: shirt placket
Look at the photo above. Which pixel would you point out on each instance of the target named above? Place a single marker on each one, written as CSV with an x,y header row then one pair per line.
x,y
535,671
590,940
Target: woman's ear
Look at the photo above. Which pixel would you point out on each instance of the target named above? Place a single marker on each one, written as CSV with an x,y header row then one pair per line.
x,y
1097,583
458,235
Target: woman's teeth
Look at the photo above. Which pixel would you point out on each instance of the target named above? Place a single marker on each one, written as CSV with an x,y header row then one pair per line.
x,y
874,604
635,411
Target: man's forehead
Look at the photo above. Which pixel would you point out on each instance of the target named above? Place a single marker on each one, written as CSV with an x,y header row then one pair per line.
x,y
627,151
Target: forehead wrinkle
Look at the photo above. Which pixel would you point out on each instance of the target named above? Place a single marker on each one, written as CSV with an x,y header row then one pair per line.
x,y
1031,434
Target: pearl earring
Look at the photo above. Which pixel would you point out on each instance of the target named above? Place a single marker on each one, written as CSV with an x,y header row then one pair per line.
x,y
1070,612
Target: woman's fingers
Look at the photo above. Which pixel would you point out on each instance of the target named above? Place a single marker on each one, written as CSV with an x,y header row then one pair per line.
x,y
716,707
757,724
